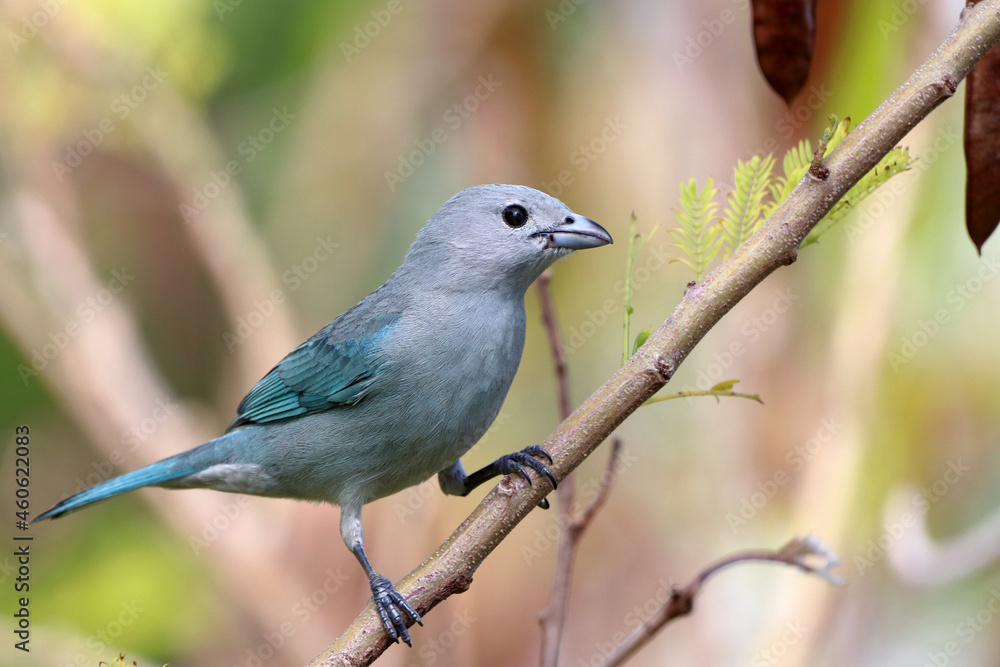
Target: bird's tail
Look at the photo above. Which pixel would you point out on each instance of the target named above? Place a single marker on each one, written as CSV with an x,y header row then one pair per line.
x,y
168,469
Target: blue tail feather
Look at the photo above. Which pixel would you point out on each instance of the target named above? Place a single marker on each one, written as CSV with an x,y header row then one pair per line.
x,y
156,473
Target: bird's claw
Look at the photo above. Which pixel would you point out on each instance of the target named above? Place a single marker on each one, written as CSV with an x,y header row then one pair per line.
x,y
513,464
389,603
535,450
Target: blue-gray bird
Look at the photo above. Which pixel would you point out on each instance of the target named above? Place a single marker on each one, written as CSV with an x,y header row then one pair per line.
x,y
397,388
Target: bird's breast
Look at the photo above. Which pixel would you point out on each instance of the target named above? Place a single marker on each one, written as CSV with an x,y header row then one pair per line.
x,y
443,374
455,373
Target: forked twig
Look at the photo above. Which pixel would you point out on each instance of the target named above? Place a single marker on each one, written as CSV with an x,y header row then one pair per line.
x,y
796,553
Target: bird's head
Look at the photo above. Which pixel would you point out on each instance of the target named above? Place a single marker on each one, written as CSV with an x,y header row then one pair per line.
x,y
501,234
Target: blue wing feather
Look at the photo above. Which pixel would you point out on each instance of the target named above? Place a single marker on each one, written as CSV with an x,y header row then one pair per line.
x,y
320,374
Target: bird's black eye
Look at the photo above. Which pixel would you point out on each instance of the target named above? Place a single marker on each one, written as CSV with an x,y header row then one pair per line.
x,y
515,216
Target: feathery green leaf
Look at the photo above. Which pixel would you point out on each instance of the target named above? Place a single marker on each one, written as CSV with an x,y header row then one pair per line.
x,y
756,194
895,162
697,236
743,215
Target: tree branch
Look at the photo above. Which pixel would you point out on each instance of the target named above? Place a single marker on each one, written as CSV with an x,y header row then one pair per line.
x,y
704,392
583,520
571,529
553,617
555,341
681,602
450,569
571,525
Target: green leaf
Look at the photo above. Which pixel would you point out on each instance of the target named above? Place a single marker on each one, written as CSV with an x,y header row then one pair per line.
x,y
835,134
756,194
745,209
895,162
696,236
721,390
725,385
795,165
640,339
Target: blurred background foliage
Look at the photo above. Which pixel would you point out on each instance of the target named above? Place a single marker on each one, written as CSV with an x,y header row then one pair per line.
x,y
131,325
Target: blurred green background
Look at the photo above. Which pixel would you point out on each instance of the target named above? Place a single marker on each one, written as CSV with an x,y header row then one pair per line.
x,y
189,189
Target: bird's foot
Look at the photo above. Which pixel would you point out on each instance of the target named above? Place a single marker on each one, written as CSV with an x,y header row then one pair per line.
x,y
513,464
389,603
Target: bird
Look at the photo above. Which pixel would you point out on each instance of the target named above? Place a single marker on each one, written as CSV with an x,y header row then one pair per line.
x,y
398,387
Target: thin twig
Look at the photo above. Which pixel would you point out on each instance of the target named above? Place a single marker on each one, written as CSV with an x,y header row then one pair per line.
x,y
581,522
451,568
816,168
555,341
553,618
629,261
571,530
703,392
681,602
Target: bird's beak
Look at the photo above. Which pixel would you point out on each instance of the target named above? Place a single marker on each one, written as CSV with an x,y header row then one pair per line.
x,y
576,235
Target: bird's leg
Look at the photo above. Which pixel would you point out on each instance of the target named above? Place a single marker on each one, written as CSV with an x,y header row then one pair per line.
x,y
455,481
389,603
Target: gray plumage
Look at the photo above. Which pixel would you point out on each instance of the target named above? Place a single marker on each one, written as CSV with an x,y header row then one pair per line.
x,y
400,386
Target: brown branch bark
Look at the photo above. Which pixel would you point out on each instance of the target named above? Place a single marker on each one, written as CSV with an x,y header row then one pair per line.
x,y
451,568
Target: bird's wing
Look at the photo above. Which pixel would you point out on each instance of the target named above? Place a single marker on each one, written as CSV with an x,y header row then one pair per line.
x,y
320,374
